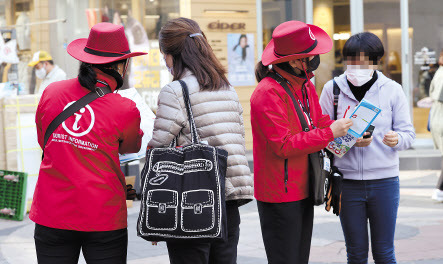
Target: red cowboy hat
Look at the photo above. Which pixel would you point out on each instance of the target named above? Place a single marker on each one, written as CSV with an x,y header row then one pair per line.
x,y
294,40
106,43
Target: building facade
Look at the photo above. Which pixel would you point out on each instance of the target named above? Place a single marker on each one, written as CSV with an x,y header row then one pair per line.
x,y
238,30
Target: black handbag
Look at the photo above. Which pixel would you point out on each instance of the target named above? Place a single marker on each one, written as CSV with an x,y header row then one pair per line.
x,y
317,175
183,190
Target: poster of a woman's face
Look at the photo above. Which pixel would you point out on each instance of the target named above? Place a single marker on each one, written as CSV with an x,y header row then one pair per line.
x,y
241,59
242,46
243,42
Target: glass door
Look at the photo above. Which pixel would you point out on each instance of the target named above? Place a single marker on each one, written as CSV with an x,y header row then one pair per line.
x,y
426,45
333,17
383,19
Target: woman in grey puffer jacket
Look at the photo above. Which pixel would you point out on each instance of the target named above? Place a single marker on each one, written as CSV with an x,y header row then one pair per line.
x,y
218,117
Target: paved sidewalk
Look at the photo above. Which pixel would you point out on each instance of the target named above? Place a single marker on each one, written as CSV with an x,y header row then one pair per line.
x,y
419,232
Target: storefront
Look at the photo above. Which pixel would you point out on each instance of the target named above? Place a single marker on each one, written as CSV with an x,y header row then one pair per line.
x,y
411,32
233,28
50,25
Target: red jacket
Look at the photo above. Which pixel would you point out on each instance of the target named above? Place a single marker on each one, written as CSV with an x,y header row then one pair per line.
x,y
80,184
277,136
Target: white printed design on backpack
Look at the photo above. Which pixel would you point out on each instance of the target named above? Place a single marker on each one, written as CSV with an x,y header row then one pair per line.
x,y
179,169
159,179
189,210
162,167
157,217
197,208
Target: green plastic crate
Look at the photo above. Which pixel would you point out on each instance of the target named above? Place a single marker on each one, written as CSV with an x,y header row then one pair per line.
x,y
13,195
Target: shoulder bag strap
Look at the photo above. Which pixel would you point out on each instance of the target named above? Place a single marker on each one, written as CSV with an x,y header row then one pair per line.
x,y
73,108
192,126
336,95
300,114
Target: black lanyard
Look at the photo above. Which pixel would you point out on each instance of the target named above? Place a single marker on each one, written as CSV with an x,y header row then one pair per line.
x,y
305,104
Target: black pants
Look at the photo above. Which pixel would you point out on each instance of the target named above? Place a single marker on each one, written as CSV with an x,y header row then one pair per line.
x,y
287,230
57,246
213,253
440,180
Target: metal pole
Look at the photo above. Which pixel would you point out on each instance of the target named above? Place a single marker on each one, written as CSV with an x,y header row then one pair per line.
x,y
357,21
405,76
259,29
63,20
309,8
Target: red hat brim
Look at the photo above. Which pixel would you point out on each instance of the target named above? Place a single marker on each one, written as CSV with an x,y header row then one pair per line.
x,y
76,50
324,45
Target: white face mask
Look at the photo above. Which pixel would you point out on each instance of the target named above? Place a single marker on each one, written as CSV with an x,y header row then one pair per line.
x,y
40,73
358,76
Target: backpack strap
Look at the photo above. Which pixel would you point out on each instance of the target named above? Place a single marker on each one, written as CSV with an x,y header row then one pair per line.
x,y
73,108
336,95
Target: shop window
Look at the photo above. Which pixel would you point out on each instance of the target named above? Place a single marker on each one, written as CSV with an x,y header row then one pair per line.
x,y
142,21
15,16
383,19
333,17
426,44
276,12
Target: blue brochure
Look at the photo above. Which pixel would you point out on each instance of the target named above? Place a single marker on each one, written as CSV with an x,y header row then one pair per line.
x,y
362,117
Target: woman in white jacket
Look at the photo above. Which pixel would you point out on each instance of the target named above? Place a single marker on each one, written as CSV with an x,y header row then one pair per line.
x,y
218,117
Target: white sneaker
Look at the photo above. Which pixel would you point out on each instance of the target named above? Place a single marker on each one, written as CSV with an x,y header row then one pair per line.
x,y
437,195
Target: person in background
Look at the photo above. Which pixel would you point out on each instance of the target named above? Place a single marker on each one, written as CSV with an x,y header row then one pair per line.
x,y
426,79
218,117
46,70
370,168
281,147
80,198
436,118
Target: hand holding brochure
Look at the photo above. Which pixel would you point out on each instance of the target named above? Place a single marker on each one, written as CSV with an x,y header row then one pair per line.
x,y
362,117
364,114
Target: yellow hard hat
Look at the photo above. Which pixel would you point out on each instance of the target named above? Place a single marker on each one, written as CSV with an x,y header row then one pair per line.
x,y
38,57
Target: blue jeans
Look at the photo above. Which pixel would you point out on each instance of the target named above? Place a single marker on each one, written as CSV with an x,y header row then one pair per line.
x,y
376,201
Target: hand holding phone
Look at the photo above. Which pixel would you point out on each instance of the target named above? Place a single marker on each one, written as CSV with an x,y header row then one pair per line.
x,y
370,130
366,140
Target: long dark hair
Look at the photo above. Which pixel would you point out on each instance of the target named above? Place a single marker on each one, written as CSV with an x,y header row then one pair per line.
x,y
243,52
87,76
261,71
193,53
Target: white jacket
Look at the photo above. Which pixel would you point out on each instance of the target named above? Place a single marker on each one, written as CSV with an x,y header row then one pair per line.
x,y
57,74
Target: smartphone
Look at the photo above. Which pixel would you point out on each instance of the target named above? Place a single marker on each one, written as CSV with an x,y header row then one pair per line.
x,y
370,130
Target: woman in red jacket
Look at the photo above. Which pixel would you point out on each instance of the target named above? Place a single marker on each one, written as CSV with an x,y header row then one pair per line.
x,y
280,146
80,197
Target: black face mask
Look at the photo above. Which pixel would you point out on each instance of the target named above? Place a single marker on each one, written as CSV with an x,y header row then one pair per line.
x,y
313,64
118,78
288,68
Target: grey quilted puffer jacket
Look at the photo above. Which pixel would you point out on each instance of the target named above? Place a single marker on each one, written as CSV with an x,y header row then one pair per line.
x,y
219,121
